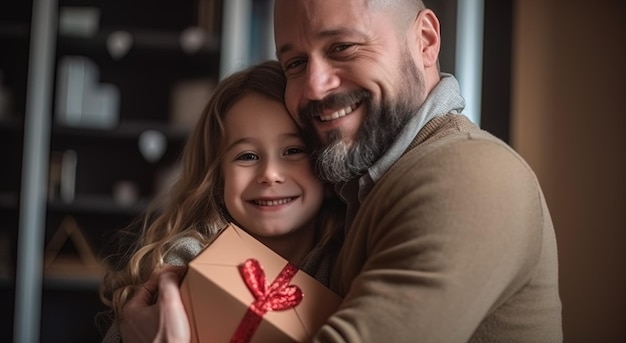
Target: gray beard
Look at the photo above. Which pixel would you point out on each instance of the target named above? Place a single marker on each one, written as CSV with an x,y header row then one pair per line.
x,y
338,162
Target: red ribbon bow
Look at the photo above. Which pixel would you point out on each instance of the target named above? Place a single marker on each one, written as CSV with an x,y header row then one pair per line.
x,y
277,296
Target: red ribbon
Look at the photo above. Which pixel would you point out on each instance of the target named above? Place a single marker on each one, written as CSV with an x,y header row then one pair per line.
x,y
278,296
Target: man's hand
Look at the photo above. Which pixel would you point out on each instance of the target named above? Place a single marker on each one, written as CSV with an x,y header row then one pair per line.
x,y
144,320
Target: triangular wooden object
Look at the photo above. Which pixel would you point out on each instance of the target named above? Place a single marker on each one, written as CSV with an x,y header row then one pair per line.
x,y
85,264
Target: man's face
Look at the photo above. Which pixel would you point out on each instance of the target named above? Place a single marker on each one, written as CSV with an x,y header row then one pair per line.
x,y
352,81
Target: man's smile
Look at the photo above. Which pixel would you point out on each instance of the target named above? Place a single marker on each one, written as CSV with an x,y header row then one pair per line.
x,y
340,113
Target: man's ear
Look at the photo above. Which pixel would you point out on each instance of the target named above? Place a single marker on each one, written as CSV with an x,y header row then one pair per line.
x,y
428,34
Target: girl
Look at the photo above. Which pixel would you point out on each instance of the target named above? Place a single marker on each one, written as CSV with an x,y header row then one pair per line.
x,y
244,162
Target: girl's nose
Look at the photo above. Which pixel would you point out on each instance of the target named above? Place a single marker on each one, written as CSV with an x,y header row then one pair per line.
x,y
271,172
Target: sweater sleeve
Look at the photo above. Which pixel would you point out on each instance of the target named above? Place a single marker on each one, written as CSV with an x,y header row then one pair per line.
x,y
448,247
182,251
113,335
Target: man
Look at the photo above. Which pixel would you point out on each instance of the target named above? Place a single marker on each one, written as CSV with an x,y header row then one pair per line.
x,y
449,238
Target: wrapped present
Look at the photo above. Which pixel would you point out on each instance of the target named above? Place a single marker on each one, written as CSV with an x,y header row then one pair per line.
x,y
239,290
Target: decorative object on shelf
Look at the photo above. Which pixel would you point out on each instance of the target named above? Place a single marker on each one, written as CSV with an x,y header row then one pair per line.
x,y
54,175
125,193
82,101
83,263
209,15
68,175
119,44
62,175
188,98
79,21
152,145
192,39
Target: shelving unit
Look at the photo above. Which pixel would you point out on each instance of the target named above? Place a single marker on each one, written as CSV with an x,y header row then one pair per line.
x,y
109,179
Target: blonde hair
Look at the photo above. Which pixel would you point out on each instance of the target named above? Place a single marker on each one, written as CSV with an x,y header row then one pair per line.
x,y
193,206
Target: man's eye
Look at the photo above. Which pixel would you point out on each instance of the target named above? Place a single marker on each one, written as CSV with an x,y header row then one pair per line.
x,y
294,64
247,157
341,47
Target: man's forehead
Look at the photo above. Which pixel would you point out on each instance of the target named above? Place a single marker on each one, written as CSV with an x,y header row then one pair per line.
x,y
318,12
311,19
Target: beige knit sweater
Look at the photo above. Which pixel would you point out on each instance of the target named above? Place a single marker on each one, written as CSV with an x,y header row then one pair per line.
x,y
453,244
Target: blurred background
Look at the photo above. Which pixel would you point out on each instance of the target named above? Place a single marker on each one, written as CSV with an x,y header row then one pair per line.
x,y
97,98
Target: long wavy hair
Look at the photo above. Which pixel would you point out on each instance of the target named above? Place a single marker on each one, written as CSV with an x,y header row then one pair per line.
x,y
193,205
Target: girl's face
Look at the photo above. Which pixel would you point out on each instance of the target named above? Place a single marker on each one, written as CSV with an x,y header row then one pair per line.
x,y
269,185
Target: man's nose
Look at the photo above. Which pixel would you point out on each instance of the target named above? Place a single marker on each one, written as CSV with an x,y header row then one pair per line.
x,y
321,79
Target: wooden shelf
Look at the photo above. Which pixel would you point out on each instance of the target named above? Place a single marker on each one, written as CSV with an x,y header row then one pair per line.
x,y
150,49
98,204
143,40
125,130
76,282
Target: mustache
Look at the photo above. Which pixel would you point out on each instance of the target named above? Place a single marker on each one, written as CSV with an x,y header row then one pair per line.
x,y
315,108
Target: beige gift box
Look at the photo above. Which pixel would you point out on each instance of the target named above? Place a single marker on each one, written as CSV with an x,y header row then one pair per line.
x,y
217,297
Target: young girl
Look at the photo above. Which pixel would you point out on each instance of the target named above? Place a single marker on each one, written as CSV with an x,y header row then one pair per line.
x,y
244,162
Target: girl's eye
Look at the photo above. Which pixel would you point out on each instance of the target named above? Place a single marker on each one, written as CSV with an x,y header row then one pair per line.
x,y
295,150
247,157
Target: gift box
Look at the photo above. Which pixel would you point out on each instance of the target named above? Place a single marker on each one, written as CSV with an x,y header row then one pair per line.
x,y
239,290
